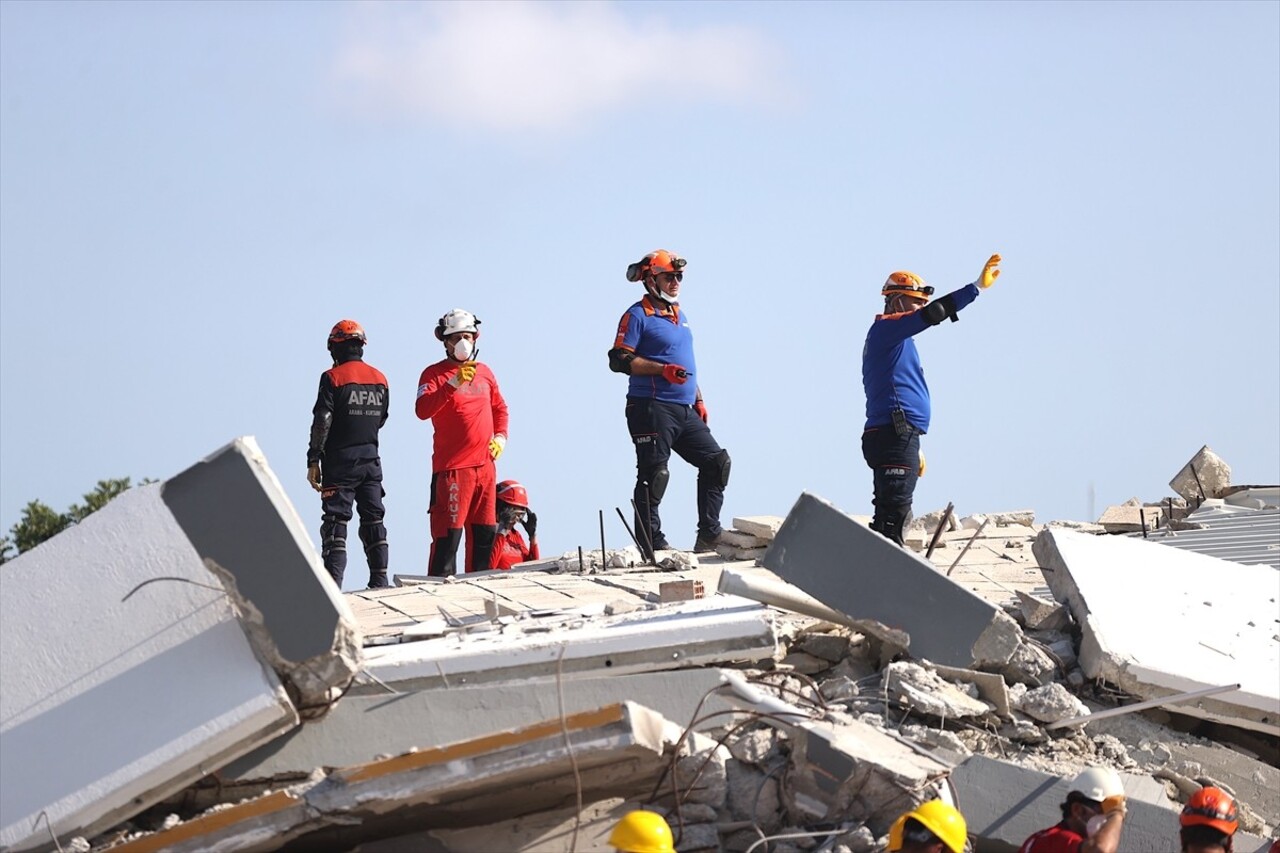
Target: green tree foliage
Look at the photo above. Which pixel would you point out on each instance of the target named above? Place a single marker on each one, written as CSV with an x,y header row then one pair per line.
x,y
40,522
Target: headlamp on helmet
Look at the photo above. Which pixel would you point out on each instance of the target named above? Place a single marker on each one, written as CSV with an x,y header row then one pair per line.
x,y
907,284
655,263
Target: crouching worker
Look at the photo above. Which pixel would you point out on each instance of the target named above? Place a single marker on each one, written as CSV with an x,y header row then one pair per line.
x,y
931,827
1209,821
509,546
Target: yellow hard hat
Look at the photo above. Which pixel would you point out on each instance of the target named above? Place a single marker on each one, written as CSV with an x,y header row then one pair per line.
x,y
642,832
942,820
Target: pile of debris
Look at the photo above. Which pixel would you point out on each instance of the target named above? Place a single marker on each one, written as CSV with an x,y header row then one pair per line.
x,y
799,690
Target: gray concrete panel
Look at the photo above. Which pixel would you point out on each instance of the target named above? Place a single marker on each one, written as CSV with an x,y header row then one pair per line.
x,y
234,511
858,572
359,728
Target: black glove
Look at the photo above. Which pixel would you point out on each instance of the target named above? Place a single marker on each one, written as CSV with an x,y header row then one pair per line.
x,y
530,524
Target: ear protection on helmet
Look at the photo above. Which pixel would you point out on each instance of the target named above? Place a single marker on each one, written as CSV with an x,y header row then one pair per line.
x,y
456,321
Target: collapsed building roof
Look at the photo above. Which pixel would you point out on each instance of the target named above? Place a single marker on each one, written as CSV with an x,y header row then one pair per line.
x,y
811,678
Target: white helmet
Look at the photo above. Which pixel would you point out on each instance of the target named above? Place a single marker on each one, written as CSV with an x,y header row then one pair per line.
x,y
457,320
1098,783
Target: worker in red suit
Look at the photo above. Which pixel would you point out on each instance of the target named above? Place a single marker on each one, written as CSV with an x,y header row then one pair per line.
x,y
509,547
460,397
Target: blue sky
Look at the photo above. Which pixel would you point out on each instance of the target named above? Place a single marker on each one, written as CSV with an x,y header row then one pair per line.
x,y
191,194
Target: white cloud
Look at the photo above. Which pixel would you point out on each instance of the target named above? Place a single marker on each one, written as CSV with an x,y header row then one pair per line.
x,y
532,65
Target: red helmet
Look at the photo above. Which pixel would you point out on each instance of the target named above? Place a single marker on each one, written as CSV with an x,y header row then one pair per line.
x,y
1211,807
511,492
347,330
656,262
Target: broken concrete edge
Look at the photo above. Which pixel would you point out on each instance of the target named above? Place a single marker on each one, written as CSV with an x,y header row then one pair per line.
x,y
406,779
314,684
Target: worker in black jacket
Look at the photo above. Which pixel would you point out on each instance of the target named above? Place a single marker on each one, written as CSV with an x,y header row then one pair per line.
x,y
342,460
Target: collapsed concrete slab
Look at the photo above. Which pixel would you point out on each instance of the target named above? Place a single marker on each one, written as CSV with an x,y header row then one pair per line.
x,y
1005,803
126,668
236,514
722,629
1202,622
614,751
360,728
848,567
855,771
1204,476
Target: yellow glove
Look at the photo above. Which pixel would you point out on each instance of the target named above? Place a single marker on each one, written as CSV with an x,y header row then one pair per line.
x,y
990,272
497,444
466,372
313,475
921,474
1114,803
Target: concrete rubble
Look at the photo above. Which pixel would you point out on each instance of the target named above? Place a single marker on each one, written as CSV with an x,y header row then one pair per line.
x,y
809,677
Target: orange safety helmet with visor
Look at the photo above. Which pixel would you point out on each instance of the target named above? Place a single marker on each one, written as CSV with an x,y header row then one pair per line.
x,y
907,284
657,262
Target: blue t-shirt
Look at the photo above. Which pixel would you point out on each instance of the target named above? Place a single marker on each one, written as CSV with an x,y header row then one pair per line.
x,y
662,334
892,376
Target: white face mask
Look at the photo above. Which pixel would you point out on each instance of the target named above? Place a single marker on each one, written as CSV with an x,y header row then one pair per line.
x,y
666,297
462,349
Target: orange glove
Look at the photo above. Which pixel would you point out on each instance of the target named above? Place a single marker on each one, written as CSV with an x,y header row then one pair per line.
x,y
675,374
701,408
1114,803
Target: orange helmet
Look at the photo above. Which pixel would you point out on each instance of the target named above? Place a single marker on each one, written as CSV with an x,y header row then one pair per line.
x,y
656,262
511,492
347,330
1211,807
907,283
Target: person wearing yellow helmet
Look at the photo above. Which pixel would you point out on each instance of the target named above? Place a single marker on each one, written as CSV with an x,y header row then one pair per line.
x,y
898,406
642,832
931,827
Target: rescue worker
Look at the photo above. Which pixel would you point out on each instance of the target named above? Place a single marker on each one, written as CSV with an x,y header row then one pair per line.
x,y
931,827
642,832
1208,822
509,547
343,464
665,410
1092,817
898,409
460,397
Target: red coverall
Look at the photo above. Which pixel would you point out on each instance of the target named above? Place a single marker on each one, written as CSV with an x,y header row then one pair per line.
x,y
463,476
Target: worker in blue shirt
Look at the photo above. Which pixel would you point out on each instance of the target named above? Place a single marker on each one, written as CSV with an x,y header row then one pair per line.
x,y
665,411
897,396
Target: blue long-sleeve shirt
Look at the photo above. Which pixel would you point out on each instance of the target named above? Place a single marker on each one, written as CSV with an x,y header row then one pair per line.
x,y
892,375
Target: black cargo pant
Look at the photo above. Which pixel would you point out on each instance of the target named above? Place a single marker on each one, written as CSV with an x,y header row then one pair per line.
x,y
657,429
895,467
345,482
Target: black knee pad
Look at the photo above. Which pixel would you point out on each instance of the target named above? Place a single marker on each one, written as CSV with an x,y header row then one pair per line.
x,y
721,463
373,535
333,535
658,484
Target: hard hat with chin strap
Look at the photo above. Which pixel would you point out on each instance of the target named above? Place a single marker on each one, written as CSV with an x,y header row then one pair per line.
x,y
655,263
457,320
